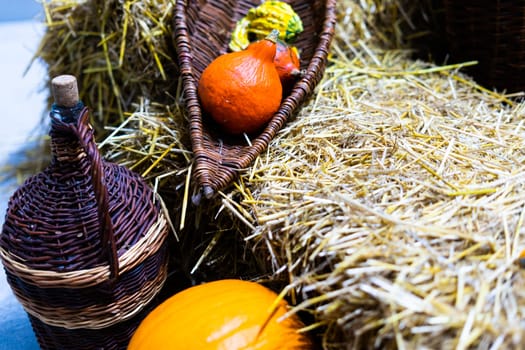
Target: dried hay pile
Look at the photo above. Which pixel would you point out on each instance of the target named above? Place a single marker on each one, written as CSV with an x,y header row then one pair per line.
x,y
120,49
390,210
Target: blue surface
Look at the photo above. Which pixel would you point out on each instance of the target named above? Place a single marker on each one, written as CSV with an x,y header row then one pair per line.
x,y
16,10
23,103
16,332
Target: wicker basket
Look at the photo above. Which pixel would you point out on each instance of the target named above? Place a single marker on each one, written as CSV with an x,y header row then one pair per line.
x,y
493,33
84,243
202,32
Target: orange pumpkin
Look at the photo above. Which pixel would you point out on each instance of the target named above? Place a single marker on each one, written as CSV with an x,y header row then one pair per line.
x,y
287,63
241,90
225,314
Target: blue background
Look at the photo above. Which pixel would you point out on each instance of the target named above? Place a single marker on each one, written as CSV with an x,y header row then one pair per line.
x,y
23,103
16,10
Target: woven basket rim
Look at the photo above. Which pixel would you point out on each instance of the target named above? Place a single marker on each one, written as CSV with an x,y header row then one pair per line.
x,y
100,316
145,247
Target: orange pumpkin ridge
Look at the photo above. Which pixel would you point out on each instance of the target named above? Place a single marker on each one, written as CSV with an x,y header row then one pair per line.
x,y
242,90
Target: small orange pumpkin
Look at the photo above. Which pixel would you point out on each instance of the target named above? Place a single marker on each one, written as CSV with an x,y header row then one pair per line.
x,y
241,90
225,314
287,63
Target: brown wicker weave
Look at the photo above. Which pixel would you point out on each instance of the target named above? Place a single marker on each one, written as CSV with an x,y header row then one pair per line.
x,y
493,33
84,243
202,32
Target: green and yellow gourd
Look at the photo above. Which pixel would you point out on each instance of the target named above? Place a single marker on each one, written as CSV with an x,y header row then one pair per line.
x,y
261,20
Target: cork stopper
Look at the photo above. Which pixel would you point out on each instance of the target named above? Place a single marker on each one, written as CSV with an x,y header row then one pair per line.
x,y
65,90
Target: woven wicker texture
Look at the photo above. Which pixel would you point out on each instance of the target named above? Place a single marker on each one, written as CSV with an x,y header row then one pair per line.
x,y
115,337
493,33
202,32
83,243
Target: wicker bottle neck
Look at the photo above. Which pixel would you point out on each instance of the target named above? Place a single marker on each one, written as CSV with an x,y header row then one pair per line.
x,y
66,114
75,159
66,149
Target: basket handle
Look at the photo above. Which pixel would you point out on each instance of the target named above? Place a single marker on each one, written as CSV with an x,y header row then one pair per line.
x,y
65,92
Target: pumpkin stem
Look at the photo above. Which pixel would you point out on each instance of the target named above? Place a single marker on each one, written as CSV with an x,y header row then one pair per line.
x,y
273,36
296,73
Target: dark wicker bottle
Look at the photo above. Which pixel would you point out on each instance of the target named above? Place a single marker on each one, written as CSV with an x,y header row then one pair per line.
x,y
84,242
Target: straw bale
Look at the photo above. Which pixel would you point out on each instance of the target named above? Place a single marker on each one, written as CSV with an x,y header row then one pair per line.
x,y
389,211
395,205
118,50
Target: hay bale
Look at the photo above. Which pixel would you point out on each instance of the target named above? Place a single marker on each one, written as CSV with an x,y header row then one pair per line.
x,y
118,50
394,205
390,210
